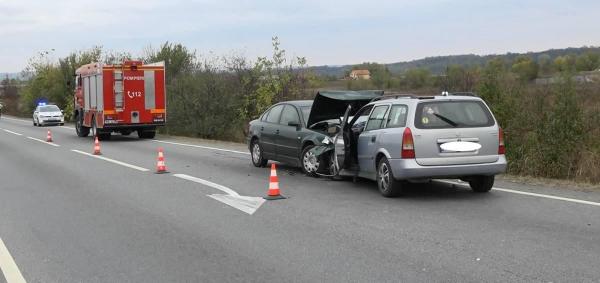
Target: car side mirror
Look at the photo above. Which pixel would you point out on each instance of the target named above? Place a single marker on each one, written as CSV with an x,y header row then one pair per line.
x,y
294,124
62,111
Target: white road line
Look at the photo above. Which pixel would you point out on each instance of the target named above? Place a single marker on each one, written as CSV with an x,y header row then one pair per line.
x,y
535,195
204,147
43,141
65,127
207,183
18,120
11,132
9,267
112,160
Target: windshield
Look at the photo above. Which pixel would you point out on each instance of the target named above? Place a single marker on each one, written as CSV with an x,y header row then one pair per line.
x,y
453,114
305,112
49,108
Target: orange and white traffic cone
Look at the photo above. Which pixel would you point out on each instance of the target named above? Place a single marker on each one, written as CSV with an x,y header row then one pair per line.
x,y
49,136
273,192
161,168
97,147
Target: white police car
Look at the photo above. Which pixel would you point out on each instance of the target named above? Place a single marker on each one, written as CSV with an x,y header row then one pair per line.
x,y
48,115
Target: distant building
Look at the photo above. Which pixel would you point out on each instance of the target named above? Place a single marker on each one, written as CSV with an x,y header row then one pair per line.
x,y
360,75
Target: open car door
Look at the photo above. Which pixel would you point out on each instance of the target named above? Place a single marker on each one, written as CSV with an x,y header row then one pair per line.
x,y
331,105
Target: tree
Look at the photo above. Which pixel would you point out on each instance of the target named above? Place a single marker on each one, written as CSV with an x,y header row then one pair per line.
x,y
561,134
178,59
545,65
565,63
587,62
417,78
525,68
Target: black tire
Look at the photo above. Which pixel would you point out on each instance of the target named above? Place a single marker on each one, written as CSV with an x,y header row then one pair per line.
x,y
146,134
259,160
34,123
125,133
311,164
387,184
81,130
481,184
61,124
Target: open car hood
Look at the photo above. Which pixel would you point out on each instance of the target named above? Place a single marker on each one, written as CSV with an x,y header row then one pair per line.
x,y
332,104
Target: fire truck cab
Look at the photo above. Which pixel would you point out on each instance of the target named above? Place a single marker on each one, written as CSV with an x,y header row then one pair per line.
x,y
120,98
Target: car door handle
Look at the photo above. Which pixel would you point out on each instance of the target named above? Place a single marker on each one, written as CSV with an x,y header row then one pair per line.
x,y
262,128
373,138
277,132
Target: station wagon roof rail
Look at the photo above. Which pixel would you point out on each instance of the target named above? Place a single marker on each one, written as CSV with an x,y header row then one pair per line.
x,y
396,96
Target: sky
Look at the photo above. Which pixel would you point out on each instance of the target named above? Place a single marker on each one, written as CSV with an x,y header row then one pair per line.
x,y
326,32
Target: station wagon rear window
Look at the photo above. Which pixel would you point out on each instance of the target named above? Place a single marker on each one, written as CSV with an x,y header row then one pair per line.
x,y
453,114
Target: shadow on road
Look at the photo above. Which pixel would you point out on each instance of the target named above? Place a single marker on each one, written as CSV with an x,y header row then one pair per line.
x,y
429,191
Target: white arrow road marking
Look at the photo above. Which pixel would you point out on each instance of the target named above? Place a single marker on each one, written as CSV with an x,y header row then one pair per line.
x,y
112,160
232,198
246,204
8,266
43,141
203,147
11,132
534,194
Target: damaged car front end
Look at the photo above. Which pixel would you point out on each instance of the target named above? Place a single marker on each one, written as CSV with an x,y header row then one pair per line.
x,y
330,112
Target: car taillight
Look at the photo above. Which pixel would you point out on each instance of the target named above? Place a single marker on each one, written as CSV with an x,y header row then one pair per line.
x,y
408,144
501,148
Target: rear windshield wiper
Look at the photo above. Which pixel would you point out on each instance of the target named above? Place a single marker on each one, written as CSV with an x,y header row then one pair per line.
x,y
452,123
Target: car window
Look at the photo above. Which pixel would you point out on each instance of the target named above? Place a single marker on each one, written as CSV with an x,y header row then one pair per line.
x,y
360,118
453,114
376,118
397,116
274,113
289,114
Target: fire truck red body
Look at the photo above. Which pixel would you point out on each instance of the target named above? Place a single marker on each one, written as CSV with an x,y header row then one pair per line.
x,y
120,98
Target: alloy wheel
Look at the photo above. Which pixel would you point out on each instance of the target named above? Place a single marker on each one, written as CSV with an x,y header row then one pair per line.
x,y
256,153
384,176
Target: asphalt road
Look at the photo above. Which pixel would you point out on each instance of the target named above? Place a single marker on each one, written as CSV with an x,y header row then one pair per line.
x,y
69,217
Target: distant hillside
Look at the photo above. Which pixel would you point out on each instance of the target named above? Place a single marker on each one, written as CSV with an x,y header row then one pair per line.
x,y
437,65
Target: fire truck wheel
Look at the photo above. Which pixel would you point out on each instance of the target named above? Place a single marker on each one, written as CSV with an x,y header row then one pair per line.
x,y
81,130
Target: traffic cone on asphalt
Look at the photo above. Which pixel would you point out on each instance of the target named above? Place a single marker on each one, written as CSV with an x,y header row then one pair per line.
x,y
273,192
49,136
97,147
160,163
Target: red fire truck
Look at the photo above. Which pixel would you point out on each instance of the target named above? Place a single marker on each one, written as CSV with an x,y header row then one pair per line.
x,y
120,98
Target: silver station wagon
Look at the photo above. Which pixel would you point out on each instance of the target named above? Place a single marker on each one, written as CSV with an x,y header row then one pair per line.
x,y
399,138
